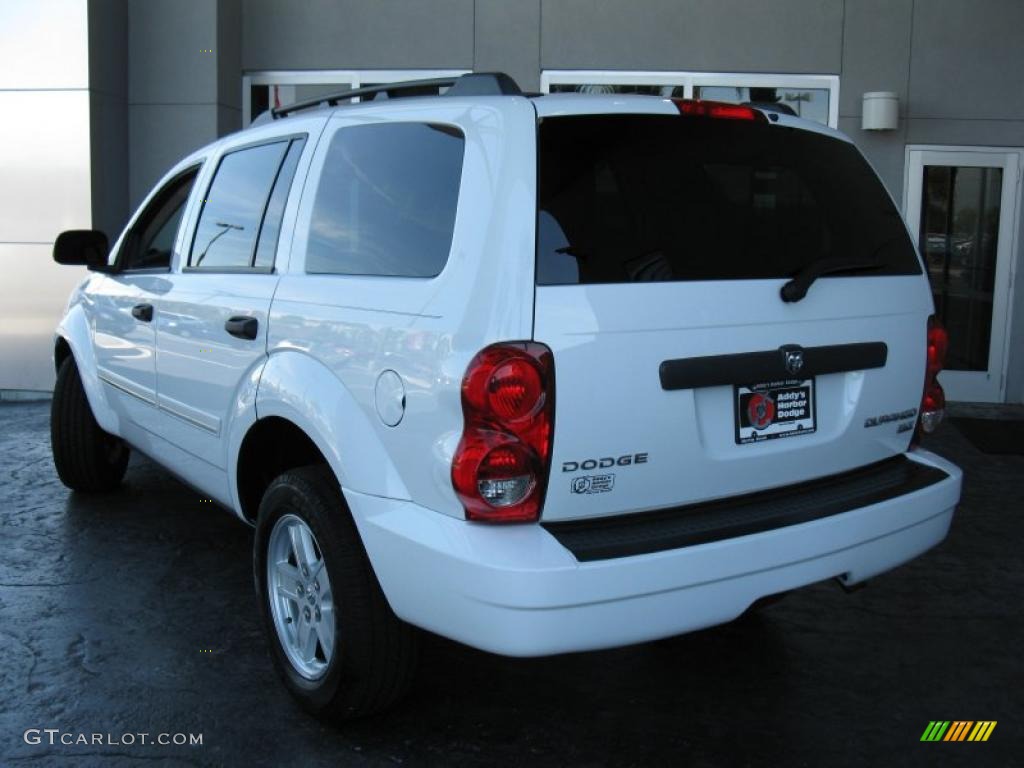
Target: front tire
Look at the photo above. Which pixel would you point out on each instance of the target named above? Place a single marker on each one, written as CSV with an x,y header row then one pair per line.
x,y
86,458
335,642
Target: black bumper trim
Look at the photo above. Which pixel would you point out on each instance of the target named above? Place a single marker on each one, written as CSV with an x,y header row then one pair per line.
x,y
644,532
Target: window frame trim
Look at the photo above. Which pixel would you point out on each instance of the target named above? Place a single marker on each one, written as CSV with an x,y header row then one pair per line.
x,y
126,240
688,79
287,138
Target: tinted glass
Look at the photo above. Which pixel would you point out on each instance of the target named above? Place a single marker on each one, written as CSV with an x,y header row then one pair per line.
x,y
638,198
266,245
151,240
386,201
959,236
234,205
674,91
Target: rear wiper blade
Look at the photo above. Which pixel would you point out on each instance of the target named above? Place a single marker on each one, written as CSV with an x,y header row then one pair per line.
x,y
797,288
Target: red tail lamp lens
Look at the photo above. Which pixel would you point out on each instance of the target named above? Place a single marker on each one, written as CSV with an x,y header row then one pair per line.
x,y
500,468
718,109
514,390
506,475
938,346
933,400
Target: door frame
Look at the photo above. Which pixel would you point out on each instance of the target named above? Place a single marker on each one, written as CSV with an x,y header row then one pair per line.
x,y
1012,163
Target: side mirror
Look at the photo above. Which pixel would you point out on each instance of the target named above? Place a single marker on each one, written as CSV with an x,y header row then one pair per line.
x,y
82,246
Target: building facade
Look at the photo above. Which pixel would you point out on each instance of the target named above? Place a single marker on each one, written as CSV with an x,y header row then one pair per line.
x,y
165,76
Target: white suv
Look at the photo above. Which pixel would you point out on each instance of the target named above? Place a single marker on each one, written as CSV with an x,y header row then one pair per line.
x,y
536,373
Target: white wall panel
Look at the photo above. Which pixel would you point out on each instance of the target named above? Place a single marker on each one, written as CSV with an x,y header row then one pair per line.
x,y
45,184
44,154
33,294
43,44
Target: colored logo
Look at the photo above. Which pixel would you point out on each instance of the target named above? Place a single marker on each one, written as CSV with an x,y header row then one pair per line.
x,y
958,730
760,411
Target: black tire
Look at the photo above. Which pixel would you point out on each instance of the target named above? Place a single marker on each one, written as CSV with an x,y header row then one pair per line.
x,y
87,458
375,653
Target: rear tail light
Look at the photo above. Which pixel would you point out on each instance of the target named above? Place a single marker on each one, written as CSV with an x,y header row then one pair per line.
x,y
718,109
933,402
500,469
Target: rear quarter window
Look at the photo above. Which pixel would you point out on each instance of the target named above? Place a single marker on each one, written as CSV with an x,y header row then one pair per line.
x,y
386,201
647,198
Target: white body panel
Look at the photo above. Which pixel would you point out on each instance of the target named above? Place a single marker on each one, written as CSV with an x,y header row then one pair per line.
x,y
618,335
200,366
517,591
426,330
125,347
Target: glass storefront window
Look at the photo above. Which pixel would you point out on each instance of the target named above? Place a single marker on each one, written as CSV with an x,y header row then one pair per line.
x,y
808,103
813,97
958,237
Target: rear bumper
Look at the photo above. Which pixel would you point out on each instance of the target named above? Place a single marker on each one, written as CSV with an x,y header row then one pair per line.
x,y
517,591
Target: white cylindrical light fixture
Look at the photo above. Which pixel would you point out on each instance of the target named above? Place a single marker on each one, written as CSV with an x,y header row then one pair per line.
x,y
881,111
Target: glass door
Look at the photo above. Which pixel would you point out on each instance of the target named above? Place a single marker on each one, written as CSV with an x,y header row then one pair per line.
x,y
962,209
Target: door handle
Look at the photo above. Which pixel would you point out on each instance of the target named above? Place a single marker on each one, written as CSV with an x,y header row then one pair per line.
x,y
242,327
143,312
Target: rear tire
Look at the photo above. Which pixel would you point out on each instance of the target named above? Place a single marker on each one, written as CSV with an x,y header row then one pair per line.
x,y
86,458
364,659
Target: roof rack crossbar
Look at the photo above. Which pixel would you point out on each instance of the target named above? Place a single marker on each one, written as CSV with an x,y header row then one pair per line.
x,y
471,84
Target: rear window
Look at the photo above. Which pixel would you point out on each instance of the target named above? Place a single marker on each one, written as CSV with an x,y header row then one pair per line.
x,y
654,198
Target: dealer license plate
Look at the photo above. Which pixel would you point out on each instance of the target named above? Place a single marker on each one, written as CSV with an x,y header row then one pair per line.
x,y
775,409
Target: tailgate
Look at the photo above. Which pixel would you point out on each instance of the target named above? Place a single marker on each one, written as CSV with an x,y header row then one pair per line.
x,y
681,374
625,443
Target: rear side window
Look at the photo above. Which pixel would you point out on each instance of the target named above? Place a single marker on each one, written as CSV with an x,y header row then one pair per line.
x,y
642,198
386,201
241,214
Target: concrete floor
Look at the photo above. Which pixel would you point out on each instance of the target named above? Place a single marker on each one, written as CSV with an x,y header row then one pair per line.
x,y
134,612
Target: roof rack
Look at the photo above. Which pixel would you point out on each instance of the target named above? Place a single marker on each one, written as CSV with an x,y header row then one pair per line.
x,y
471,84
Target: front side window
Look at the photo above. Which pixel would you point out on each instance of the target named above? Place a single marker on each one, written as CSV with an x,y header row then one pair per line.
x,y
232,218
653,198
150,241
386,201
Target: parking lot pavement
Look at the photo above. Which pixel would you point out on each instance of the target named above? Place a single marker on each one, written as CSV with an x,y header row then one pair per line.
x,y
134,613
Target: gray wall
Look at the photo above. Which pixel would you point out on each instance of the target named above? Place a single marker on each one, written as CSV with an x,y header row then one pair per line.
x,y
184,82
108,113
955,64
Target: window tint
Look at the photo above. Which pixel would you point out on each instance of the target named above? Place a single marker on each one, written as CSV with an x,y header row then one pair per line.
x,y
233,210
636,198
151,240
266,245
386,201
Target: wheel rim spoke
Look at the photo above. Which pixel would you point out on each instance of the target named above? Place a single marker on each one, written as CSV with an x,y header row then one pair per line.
x,y
325,632
302,545
301,599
